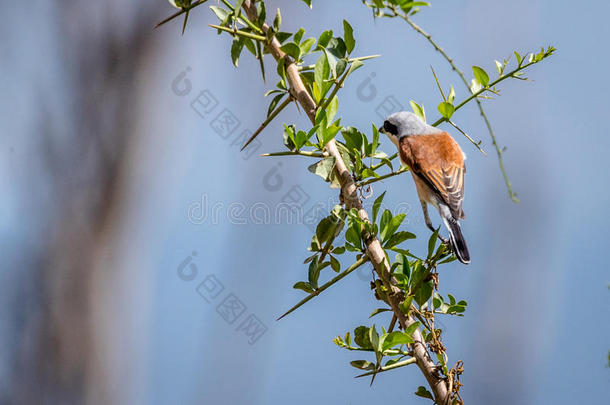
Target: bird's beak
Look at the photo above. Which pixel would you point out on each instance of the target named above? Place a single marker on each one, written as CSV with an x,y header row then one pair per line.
x,y
380,128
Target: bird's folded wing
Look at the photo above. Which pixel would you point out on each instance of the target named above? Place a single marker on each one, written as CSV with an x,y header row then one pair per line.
x,y
438,160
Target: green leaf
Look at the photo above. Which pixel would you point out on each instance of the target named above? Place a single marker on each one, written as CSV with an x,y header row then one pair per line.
x,y
451,95
353,138
352,235
219,12
423,293
324,38
288,136
336,46
376,206
292,49
299,35
339,250
314,272
274,102
321,72
282,36
398,238
379,311
323,168
411,328
396,338
393,225
386,217
308,2
236,48
332,108
334,264
418,110
361,337
348,36
446,109
374,338
424,393
306,45
305,286
499,67
432,242
363,364
403,265
277,22
481,76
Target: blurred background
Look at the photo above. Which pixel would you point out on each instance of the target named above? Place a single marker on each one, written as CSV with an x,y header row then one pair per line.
x,y
139,265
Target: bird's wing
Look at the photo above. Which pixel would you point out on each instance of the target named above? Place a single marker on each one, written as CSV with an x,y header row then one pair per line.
x,y
438,160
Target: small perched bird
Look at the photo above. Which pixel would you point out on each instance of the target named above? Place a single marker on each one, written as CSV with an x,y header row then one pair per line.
x,y
437,165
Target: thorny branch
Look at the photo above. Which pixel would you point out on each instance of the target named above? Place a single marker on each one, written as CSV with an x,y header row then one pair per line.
x,y
349,192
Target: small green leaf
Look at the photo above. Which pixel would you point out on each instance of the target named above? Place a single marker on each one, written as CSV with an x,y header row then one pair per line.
x,y
361,337
424,393
411,328
423,293
481,76
432,242
277,22
334,264
314,272
308,2
386,217
398,238
363,364
219,12
499,67
324,38
379,311
348,36
396,338
292,49
305,286
332,108
323,168
376,206
374,338
451,96
306,45
299,35
418,110
446,109
236,48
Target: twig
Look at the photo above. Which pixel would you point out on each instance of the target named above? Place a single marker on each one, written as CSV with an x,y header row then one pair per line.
x,y
270,118
239,33
492,135
178,13
335,279
385,176
489,87
350,60
476,144
403,363
314,154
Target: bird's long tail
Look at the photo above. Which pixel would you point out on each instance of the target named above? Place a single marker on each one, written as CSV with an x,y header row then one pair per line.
x,y
457,239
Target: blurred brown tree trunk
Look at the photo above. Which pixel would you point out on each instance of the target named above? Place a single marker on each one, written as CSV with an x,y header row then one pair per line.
x,y
60,359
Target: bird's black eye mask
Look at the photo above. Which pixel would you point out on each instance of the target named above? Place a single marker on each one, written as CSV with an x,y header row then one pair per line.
x,y
390,128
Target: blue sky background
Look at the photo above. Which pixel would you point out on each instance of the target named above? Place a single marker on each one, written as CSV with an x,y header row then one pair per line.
x,y
536,330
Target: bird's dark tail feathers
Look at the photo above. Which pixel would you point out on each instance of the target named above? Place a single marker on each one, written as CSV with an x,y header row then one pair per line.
x,y
457,239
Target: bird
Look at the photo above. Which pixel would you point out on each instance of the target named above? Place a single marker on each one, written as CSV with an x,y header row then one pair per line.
x,y
436,162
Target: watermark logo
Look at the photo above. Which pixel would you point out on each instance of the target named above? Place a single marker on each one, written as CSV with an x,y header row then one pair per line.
x,y
230,307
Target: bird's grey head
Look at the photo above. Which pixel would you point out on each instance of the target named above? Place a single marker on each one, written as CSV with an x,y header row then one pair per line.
x,y
406,123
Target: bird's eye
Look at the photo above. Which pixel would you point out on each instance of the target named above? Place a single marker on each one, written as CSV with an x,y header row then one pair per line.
x,y
390,128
